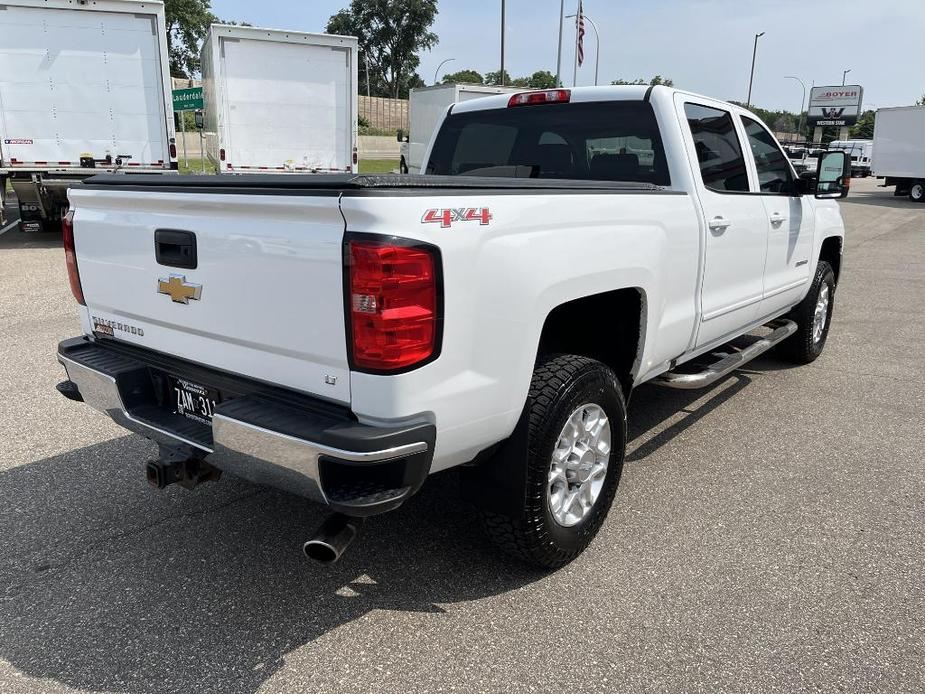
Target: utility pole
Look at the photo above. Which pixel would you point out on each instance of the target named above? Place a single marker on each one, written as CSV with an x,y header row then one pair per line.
x,y
843,75
502,42
559,54
748,101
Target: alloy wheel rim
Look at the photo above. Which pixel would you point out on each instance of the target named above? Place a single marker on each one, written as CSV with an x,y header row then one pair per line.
x,y
821,314
579,465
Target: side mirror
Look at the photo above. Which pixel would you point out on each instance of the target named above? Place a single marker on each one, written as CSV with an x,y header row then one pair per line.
x,y
833,174
806,183
197,115
400,136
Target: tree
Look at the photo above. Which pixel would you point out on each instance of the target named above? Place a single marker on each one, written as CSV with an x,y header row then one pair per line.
x,y
494,78
542,79
864,128
921,102
658,79
390,34
464,77
187,25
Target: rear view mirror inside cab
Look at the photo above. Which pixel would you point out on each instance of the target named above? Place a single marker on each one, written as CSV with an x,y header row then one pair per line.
x,y
833,174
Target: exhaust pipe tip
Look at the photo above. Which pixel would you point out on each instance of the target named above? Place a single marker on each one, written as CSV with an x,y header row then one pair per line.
x,y
321,552
332,539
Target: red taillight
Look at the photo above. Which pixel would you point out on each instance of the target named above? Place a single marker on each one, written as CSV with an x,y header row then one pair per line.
x,y
549,96
393,304
221,154
70,257
356,157
173,150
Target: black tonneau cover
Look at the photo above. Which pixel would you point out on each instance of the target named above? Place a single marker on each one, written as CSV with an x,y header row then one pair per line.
x,y
346,183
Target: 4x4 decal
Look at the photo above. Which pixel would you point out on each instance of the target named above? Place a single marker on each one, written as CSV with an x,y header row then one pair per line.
x,y
446,217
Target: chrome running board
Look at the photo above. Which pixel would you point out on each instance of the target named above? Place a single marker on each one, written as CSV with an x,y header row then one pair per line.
x,y
729,362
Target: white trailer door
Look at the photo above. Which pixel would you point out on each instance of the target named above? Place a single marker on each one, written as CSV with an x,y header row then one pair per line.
x,y
76,82
286,105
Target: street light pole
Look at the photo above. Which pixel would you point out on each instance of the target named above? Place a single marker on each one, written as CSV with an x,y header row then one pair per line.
x,y
802,102
843,75
437,71
501,76
559,54
748,101
597,44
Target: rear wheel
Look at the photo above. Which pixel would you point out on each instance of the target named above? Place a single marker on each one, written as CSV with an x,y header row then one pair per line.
x,y
403,166
813,316
917,191
576,443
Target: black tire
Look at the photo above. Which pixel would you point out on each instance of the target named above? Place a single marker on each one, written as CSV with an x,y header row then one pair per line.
x,y
802,347
561,384
403,166
917,191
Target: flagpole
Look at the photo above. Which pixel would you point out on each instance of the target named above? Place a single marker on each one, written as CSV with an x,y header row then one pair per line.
x,y
575,69
559,54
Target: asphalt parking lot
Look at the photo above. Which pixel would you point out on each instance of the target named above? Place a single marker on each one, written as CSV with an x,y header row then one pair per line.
x,y
768,535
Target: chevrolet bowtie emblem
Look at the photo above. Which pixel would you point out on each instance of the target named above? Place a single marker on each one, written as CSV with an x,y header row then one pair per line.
x,y
178,289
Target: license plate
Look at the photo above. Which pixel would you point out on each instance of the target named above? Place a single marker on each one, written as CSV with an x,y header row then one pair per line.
x,y
192,400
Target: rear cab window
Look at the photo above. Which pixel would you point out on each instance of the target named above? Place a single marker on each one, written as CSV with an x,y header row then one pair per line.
x,y
598,141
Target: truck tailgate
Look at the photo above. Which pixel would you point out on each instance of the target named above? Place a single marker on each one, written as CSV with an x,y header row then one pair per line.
x,y
268,272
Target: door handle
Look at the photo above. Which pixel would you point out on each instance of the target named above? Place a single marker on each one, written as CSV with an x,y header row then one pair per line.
x,y
778,218
719,224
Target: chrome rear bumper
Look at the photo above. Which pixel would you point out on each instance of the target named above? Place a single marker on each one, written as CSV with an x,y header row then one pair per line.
x,y
301,446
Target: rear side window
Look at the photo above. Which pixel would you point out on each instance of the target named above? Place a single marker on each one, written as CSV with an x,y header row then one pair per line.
x,y
599,141
719,153
774,175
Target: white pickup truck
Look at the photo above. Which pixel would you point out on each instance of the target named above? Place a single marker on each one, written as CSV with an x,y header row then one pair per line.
x,y
342,337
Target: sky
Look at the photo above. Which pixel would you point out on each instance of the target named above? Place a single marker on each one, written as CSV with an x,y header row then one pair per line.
x,y
704,46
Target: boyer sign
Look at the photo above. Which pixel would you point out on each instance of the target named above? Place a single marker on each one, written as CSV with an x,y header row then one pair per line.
x,y
835,105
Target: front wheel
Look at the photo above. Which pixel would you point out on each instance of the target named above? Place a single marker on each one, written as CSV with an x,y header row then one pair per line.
x,y
813,316
576,443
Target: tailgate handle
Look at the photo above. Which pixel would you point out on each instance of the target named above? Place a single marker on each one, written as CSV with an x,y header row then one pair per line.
x,y
175,248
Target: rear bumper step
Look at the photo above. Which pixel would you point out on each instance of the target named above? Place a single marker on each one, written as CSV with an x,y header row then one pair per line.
x,y
268,436
729,362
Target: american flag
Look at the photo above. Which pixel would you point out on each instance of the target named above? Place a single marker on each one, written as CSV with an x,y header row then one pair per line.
x,y
580,24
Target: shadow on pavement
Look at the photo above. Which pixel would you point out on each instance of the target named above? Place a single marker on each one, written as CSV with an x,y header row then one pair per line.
x,y
651,405
108,585
14,238
881,197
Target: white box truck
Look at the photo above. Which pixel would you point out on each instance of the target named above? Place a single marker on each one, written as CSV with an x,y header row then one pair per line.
x,y
84,87
427,106
278,101
899,150
860,152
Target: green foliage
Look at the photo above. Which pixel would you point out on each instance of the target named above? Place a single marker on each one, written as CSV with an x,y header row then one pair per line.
x,y
464,77
779,121
921,102
390,34
657,80
494,78
362,122
541,79
187,25
864,128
